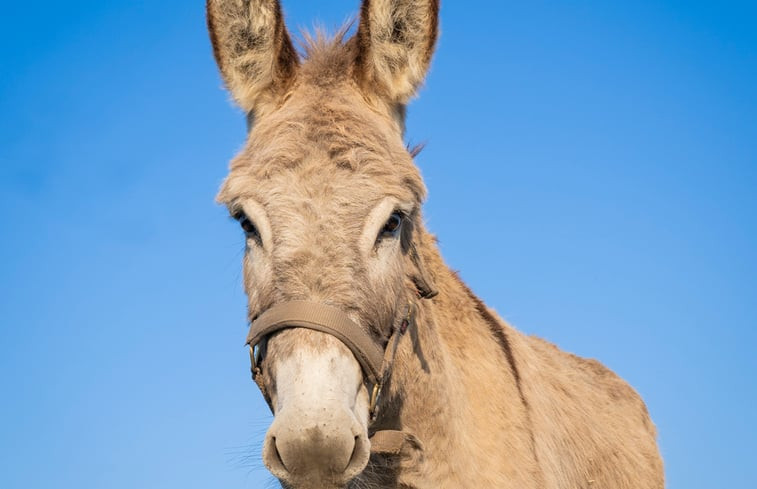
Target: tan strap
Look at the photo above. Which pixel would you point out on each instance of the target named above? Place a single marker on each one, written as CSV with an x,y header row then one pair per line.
x,y
326,319
388,442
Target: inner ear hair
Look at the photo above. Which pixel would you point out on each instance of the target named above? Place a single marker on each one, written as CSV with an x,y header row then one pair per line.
x,y
253,49
395,40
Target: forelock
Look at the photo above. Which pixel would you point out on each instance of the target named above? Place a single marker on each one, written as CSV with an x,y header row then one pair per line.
x,y
327,59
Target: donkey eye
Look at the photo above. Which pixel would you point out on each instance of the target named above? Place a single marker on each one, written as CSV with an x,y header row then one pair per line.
x,y
247,226
392,226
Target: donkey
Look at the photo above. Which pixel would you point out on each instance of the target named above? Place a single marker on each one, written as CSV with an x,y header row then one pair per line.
x,y
381,367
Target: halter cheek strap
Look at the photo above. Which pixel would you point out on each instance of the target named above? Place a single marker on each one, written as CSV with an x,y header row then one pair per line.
x,y
375,363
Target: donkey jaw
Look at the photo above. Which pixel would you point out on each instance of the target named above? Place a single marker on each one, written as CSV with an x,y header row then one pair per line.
x,y
319,436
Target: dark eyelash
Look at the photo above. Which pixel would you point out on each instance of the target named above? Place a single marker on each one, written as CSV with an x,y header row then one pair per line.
x,y
249,227
395,221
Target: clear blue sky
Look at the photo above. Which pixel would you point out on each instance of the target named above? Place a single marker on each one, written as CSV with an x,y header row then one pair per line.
x,y
592,169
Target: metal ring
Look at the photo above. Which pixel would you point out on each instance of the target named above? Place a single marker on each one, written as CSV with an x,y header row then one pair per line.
x,y
254,356
374,399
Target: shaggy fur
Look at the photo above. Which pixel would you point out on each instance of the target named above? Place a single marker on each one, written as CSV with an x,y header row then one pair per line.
x,y
396,41
485,406
252,48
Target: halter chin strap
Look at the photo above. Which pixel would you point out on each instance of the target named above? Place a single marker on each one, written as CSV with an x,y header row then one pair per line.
x,y
376,364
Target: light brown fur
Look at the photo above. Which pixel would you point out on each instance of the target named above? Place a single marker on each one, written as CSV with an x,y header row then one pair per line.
x,y
487,406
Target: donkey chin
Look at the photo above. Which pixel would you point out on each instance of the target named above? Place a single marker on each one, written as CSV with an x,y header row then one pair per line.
x,y
319,436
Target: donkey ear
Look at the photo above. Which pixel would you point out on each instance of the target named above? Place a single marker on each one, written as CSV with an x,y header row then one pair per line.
x,y
252,48
395,40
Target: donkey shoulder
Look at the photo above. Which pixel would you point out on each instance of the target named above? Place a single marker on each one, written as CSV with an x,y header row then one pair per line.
x,y
588,423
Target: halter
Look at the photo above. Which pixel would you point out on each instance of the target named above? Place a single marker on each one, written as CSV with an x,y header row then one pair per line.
x,y
375,361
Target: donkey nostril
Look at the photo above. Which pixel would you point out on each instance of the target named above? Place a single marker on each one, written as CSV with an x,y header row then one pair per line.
x,y
355,445
278,455
358,458
272,457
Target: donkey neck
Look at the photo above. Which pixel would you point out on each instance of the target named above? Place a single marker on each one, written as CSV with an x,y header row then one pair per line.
x,y
466,420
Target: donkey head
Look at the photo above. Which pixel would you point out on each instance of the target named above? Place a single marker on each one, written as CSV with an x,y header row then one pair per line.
x,y
329,200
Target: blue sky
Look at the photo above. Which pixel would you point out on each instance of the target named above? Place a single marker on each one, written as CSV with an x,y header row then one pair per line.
x,y
592,169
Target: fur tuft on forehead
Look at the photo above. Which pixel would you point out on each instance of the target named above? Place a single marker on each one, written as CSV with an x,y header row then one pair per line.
x,y
327,59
